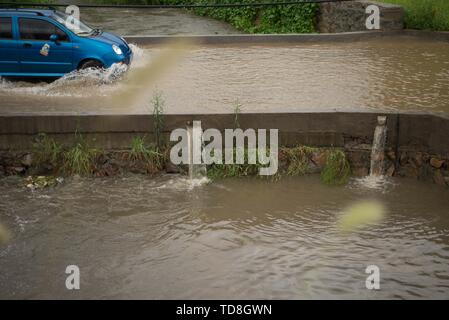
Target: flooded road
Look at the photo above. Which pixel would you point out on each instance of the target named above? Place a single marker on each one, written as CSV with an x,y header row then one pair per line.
x,y
140,237
153,22
401,74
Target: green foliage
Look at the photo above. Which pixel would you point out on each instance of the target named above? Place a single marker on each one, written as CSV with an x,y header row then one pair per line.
x,y
297,159
219,171
124,2
152,157
337,170
425,14
46,151
273,19
158,118
79,159
138,149
33,1
292,162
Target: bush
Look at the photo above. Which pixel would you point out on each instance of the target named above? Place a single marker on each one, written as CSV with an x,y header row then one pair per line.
x,y
425,14
269,19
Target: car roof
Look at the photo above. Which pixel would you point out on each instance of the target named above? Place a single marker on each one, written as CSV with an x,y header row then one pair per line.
x,y
27,12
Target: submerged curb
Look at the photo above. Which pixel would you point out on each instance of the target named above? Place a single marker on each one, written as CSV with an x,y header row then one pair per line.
x,y
289,38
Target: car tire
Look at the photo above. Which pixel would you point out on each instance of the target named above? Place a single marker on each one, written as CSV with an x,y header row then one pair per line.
x,y
94,64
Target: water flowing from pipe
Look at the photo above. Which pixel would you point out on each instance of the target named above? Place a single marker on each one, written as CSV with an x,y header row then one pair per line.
x,y
378,148
197,170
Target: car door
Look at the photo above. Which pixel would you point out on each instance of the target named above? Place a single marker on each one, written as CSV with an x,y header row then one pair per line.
x,y
9,57
40,55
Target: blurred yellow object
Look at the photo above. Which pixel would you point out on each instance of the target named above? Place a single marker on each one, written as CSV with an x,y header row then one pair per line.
x,y
361,214
4,235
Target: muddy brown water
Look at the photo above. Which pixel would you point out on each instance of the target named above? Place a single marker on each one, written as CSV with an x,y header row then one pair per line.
x,y
153,22
401,74
141,237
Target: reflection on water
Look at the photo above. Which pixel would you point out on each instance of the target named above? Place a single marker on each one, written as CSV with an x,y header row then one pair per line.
x,y
383,74
137,237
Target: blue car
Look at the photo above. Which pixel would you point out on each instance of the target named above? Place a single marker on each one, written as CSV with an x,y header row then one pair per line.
x,y
49,43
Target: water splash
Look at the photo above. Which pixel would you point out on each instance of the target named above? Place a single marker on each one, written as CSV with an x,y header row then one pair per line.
x,y
139,81
79,83
371,182
197,170
181,183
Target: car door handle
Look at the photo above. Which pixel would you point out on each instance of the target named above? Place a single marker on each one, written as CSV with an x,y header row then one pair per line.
x,y
27,45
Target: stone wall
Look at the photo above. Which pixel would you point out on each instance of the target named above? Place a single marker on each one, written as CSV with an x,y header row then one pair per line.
x,y
350,16
404,162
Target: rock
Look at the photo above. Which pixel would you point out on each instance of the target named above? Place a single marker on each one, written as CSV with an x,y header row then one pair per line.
x,y
312,168
319,159
27,160
171,168
418,159
364,146
109,170
391,155
411,171
403,158
438,178
390,171
436,163
18,169
360,171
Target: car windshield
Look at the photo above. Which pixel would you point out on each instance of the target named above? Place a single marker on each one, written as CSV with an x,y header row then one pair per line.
x,y
75,25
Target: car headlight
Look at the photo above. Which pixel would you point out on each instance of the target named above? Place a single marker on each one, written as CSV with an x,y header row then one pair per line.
x,y
116,49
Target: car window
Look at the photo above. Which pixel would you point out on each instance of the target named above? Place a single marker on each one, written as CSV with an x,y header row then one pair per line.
x,y
36,29
5,28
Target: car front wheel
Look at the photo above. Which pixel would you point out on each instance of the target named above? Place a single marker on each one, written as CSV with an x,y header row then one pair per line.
x,y
91,64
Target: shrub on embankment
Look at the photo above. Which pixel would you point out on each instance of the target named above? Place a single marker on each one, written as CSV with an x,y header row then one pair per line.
x,y
270,19
297,18
425,14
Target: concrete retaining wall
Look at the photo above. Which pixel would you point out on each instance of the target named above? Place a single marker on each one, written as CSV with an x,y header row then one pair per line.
x,y
417,144
427,132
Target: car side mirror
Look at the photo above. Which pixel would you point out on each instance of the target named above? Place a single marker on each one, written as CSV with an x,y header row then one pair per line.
x,y
54,38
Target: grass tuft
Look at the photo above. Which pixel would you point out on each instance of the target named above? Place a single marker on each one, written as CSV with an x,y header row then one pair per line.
x,y
425,14
297,159
79,159
46,151
158,118
153,158
337,170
